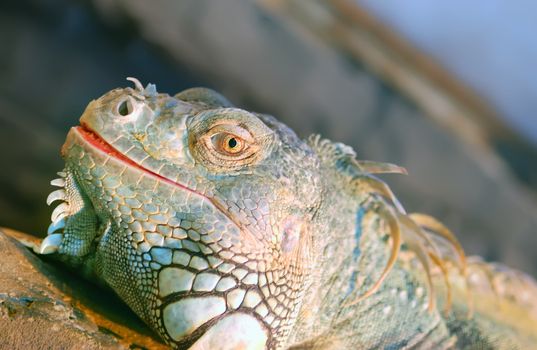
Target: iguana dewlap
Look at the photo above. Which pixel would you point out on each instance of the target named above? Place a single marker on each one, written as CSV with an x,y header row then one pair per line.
x,y
222,229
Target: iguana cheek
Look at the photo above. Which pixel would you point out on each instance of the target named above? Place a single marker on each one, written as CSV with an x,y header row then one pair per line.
x,y
292,228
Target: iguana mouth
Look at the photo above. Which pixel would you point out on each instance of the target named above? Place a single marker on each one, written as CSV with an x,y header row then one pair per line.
x,y
97,142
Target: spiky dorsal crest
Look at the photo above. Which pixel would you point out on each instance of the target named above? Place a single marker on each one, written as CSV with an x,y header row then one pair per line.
x,y
343,157
422,234
149,91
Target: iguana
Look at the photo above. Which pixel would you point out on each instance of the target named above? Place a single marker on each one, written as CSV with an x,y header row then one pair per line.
x,y
222,229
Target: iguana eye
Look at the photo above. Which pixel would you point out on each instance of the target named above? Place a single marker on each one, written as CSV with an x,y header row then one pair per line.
x,y
228,139
228,144
125,107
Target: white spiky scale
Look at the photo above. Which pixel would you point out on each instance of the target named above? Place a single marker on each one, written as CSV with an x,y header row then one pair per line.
x,y
56,195
50,244
59,212
137,84
58,182
56,226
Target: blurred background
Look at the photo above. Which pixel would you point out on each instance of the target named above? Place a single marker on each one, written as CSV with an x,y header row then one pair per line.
x,y
447,90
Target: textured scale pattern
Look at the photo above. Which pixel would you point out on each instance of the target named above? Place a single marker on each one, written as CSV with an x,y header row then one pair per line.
x,y
222,229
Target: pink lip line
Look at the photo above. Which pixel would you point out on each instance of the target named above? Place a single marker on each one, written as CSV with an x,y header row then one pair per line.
x,y
96,141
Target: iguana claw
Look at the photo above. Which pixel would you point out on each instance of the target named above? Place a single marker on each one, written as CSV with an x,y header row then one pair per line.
x,y
58,182
60,212
55,226
50,244
56,195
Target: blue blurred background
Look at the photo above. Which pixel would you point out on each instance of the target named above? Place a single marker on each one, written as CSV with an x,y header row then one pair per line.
x,y
491,45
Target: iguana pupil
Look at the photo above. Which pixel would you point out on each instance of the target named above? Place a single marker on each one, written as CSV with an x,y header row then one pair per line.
x,y
232,142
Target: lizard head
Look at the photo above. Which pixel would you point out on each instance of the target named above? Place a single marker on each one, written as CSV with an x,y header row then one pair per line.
x,y
198,214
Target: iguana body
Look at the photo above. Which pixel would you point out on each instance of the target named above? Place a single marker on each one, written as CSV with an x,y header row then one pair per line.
x,y
222,229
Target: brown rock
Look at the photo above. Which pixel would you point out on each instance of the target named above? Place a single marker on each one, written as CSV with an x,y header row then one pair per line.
x,y
43,306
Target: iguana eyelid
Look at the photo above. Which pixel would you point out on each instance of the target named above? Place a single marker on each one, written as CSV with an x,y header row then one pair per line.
x,y
219,155
223,130
220,140
232,129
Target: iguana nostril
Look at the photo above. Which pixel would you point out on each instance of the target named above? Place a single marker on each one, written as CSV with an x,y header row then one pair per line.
x,y
125,107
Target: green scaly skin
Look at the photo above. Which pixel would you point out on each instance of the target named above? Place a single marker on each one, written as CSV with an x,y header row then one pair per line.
x,y
222,229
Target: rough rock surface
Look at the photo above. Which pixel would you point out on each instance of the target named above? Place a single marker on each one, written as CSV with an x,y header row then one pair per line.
x,y
44,307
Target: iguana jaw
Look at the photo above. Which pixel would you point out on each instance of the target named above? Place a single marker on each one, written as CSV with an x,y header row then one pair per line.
x,y
97,142
91,140
82,141
74,200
